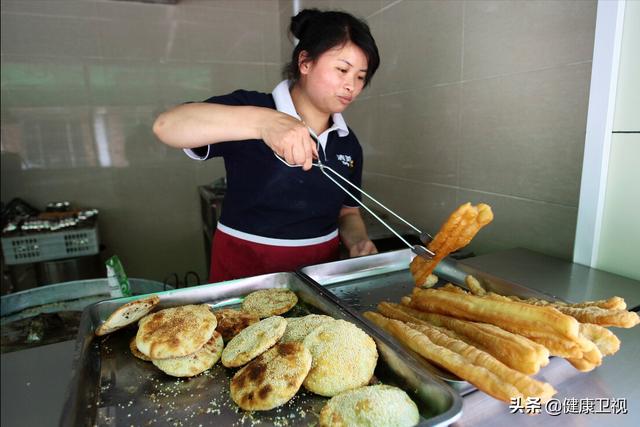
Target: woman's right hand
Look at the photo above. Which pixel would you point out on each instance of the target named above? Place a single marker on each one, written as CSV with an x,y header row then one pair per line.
x,y
289,138
200,124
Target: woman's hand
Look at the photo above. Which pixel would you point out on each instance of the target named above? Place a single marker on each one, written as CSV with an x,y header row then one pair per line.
x,y
289,138
199,124
362,248
354,233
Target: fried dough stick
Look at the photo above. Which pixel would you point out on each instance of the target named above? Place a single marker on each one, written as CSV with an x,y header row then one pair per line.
x,y
526,385
604,339
609,312
613,303
450,287
479,376
581,354
574,349
591,314
513,350
601,316
589,360
474,285
559,346
457,231
556,346
523,319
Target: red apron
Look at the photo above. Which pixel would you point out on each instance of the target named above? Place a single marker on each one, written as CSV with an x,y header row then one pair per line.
x,y
234,258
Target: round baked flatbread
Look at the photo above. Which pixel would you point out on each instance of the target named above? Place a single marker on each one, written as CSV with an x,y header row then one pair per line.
x,y
344,357
299,327
253,341
271,379
135,351
127,314
269,302
196,363
175,332
376,405
231,322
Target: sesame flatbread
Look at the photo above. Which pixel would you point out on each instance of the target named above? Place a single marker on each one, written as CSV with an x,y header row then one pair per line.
x,y
175,332
231,322
377,405
127,314
299,327
271,379
196,363
269,302
344,357
135,351
253,341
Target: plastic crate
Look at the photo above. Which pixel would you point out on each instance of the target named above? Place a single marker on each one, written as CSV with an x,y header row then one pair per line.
x,y
36,247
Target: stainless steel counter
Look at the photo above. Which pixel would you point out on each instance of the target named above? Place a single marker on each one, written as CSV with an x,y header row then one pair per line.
x,y
617,378
34,384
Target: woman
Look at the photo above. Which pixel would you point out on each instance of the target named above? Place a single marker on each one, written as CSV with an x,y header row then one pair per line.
x,y
276,217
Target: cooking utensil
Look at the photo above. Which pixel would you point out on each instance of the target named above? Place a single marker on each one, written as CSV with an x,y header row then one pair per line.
x,y
424,236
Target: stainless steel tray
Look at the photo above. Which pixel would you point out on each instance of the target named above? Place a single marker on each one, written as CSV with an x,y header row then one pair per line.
x,y
111,387
362,283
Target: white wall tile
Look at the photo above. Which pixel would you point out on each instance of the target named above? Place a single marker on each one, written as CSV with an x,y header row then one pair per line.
x,y
49,36
503,37
523,223
523,135
420,44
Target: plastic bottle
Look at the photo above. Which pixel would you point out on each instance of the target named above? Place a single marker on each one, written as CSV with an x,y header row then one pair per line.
x,y
117,279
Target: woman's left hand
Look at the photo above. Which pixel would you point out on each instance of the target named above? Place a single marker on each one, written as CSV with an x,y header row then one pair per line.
x,y
362,248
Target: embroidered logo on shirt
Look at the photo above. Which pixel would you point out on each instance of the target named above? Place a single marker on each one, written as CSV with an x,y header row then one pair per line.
x,y
345,160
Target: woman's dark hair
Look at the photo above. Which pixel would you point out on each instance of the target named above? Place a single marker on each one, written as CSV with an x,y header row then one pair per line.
x,y
319,31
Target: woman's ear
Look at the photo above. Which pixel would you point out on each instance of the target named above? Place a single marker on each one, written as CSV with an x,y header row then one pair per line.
x,y
304,63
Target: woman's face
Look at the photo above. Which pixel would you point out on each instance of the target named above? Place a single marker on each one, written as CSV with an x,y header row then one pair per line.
x,y
335,78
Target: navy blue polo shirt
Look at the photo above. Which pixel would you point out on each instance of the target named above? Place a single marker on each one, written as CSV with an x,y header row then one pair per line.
x,y
266,198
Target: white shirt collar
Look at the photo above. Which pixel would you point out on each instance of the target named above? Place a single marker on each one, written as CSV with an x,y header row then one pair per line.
x,y
284,104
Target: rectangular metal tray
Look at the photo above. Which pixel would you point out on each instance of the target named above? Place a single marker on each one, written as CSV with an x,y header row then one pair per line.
x,y
111,387
362,283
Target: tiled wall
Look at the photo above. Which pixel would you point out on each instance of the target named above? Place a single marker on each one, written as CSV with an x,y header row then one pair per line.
x,y
81,84
480,101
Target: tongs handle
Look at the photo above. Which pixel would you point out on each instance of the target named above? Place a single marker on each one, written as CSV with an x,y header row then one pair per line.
x,y
417,249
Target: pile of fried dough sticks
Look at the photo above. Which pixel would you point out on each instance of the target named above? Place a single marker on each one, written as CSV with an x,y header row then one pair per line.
x,y
497,342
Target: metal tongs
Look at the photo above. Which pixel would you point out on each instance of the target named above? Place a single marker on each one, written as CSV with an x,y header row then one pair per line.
x,y
419,250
